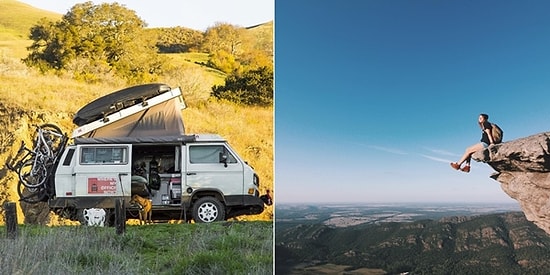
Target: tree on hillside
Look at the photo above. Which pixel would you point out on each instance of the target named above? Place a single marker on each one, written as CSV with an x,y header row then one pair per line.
x,y
177,39
254,59
108,36
223,61
225,43
235,49
226,37
254,87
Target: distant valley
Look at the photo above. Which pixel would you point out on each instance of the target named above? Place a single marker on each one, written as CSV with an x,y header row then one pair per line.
x,y
414,238
343,215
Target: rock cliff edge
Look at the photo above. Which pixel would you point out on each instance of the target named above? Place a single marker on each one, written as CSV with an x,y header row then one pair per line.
x,y
523,169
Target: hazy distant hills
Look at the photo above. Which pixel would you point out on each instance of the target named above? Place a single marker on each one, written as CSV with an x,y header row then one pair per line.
x,y
503,243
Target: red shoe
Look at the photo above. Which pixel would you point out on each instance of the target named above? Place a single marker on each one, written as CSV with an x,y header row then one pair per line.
x,y
465,169
455,165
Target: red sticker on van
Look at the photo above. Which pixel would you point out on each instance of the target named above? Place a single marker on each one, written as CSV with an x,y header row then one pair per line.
x,y
102,185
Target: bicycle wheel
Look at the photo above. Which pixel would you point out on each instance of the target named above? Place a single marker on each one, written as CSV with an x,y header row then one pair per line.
x,y
31,195
32,175
52,136
22,156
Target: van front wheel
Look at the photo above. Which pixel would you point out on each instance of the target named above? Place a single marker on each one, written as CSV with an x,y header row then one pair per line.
x,y
208,209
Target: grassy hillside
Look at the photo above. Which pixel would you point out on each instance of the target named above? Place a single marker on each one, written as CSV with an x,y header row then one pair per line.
x,y
263,33
28,98
193,61
16,19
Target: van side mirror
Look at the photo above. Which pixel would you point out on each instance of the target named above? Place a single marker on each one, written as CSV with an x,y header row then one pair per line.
x,y
223,159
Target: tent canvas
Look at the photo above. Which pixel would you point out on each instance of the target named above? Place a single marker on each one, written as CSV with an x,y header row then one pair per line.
x,y
163,119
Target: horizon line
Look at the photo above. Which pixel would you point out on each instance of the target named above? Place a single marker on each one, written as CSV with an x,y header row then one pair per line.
x,y
410,202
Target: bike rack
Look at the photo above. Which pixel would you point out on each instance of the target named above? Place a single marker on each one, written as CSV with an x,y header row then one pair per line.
x,y
45,187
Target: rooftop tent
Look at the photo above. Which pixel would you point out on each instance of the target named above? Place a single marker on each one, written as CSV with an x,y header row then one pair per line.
x,y
157,113
116,101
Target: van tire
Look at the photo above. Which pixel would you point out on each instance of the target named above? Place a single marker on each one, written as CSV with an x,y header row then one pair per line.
x,y
208,209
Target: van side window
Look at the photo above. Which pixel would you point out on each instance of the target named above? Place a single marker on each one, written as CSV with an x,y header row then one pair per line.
x,y
68,158
104,155
209,154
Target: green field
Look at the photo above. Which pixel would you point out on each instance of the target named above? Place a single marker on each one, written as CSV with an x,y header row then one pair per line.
x,y
218,248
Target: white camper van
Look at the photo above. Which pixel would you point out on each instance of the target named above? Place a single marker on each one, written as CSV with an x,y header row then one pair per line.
x,y
134,143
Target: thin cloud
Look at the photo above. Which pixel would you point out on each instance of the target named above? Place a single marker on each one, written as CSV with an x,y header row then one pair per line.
x,y
388,150
440,152
437,158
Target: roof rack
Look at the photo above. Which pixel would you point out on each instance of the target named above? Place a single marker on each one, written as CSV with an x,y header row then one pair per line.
x,y
146,104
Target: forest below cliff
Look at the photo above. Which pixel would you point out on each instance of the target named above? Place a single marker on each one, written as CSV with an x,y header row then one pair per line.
x,y
504,243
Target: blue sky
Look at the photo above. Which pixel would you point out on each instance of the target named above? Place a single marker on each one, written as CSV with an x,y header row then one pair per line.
x,y
375,98
197,15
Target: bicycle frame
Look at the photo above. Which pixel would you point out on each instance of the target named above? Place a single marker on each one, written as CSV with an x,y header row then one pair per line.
x,y
35,166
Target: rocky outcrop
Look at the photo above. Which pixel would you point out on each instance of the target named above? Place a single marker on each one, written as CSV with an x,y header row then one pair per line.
x,y
523,169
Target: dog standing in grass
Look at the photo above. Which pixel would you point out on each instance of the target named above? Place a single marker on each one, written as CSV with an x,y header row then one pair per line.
x,y
145,209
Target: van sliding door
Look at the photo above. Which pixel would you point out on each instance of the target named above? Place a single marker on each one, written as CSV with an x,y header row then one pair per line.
x,y
205,169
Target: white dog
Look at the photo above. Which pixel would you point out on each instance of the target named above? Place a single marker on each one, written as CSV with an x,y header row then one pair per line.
x,y
95,216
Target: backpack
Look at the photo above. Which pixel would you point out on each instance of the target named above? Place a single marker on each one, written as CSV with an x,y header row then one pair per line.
x,y
497,133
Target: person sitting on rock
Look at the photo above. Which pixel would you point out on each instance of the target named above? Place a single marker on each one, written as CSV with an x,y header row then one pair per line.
x,y
486,140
